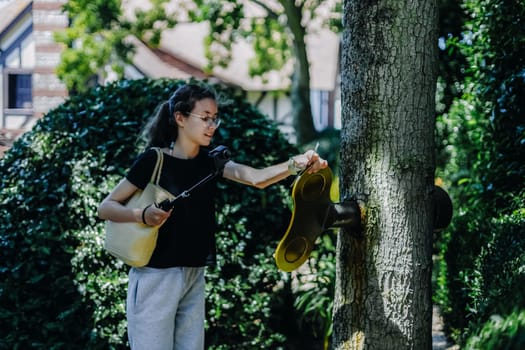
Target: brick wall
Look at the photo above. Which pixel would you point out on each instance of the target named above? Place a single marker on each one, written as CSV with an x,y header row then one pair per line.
x,y
48,91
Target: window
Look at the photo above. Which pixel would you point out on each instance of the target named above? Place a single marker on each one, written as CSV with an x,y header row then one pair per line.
x,y
19,91
18,97
321,102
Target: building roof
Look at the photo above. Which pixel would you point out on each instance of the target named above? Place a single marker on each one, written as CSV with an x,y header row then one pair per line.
x,y
9,11
156,63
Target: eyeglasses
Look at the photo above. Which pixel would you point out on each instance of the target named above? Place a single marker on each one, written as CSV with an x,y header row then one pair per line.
x,y
209,121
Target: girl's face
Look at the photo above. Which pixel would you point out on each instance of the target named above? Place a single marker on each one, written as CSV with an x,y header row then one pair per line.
x,y
200,125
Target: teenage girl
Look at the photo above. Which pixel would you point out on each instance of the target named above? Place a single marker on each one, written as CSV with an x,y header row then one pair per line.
x,y
165,301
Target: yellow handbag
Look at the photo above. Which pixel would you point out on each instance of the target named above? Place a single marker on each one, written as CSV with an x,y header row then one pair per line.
x,y
132,242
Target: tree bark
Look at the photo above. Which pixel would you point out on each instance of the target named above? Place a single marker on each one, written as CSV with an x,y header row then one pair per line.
x,y
383,290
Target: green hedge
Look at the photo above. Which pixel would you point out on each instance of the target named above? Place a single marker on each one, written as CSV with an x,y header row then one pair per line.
x,y
481,265
502,333
58,287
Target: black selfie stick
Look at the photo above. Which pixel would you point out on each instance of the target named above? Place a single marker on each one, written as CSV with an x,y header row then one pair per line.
x,y
221,156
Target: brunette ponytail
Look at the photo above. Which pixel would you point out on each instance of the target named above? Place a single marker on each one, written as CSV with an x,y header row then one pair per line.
x,y
161,130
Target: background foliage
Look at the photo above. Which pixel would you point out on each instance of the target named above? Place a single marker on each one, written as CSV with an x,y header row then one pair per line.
x,y
58,287
482,266
99,33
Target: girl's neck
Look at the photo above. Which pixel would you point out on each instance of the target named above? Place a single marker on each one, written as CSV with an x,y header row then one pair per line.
x,y
183,151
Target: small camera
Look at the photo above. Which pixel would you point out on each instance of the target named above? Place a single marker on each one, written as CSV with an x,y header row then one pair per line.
x,y
221,155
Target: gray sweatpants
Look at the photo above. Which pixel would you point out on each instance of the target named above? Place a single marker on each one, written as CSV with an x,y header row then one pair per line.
x,y
165,308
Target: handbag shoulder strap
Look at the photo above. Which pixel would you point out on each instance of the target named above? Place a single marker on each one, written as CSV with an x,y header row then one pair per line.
x,y
155,176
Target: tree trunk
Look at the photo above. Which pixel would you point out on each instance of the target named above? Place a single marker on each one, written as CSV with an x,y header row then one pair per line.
x,y
300,90
383,291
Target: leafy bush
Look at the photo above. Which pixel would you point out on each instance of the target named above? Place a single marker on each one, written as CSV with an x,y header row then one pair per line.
x,y
500,268
58,287
502,333
494,284
486,175
314,293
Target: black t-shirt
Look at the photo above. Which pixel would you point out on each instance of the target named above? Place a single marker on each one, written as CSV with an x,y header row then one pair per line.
x,y
187,238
